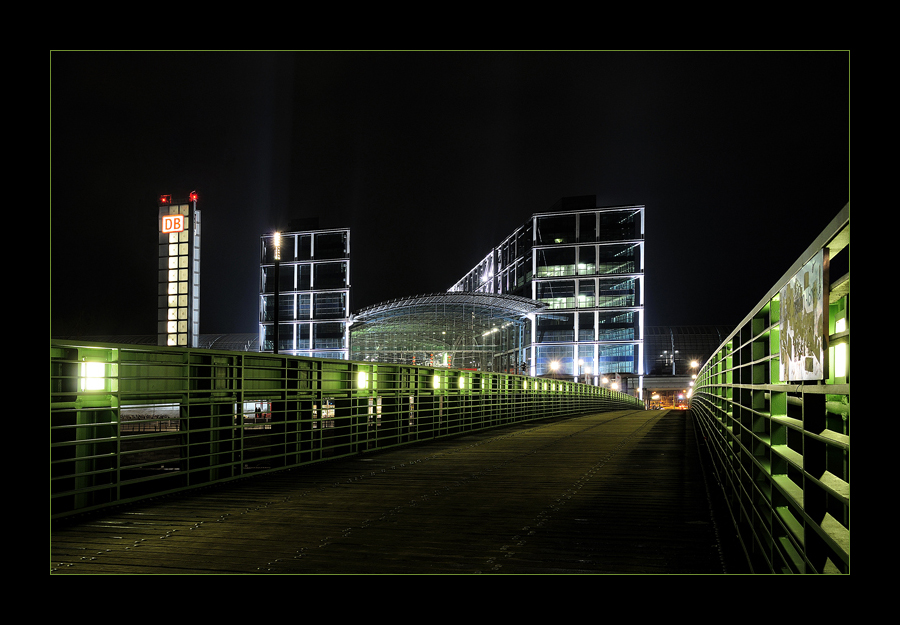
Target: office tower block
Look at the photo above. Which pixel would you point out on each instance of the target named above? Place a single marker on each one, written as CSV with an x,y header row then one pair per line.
x,y
586,263
304,295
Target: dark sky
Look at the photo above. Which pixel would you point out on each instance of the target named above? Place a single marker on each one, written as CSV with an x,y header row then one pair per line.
x,y
431,158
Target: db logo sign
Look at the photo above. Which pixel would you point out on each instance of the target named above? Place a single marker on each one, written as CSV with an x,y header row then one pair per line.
x,y
172,223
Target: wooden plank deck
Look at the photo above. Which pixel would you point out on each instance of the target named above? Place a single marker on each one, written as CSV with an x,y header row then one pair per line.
x,y
616,493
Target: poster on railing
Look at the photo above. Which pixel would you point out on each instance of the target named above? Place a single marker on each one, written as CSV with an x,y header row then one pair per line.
x,y
802,311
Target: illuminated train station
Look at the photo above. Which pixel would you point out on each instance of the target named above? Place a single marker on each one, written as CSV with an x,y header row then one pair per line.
x,y
562,296
478,331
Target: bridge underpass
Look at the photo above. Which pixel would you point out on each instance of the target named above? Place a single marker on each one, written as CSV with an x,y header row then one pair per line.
x,y
621,492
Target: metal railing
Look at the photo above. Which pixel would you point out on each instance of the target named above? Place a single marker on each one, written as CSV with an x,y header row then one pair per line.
x,y
773,403
131,422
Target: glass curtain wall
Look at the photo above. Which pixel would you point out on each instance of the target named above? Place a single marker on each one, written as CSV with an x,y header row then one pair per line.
x,y
588,270
585,264
311,276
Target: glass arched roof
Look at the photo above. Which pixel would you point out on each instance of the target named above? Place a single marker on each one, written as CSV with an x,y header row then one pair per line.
x,y
454,329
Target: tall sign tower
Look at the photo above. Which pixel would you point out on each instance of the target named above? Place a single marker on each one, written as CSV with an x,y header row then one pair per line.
x,y
179,272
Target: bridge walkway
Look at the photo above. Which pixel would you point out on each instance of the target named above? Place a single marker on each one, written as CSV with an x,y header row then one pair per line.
x,y
620,492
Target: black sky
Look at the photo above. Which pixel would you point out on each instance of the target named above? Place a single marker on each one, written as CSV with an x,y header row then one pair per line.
x,y
431,158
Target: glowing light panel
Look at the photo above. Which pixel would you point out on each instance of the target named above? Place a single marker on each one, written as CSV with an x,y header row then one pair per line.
x,y
840,352
93,376
172,223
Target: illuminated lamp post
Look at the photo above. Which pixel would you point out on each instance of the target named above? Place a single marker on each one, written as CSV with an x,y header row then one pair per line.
x,y
276,244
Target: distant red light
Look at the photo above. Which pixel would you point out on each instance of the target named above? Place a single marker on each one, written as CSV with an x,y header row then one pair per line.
x,y
193,197
165,199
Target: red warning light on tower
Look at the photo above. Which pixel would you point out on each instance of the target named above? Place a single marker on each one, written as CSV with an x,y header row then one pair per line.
x,y
165,199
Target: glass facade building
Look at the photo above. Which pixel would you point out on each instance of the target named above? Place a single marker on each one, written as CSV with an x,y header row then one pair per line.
x,y
474,331
304,293
178,310
586,263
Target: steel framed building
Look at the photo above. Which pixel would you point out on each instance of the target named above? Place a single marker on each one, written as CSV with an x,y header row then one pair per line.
x,y
586,264
477,331
307,272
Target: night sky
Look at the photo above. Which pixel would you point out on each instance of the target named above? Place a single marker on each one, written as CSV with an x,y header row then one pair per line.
x,y
431,158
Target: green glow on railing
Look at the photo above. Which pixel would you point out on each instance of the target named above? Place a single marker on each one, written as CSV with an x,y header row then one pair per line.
x,y
780,450
130,422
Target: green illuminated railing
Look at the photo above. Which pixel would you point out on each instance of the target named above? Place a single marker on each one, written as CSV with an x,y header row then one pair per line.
x,y
779,441
130,422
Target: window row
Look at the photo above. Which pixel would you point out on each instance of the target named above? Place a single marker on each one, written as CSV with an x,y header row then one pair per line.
x,y
587,293
591,326
305,336
291,277
588,227
578,360
300,306
308,246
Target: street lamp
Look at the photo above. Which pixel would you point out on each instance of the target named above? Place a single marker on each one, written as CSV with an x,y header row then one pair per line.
x,y
554,366
276,257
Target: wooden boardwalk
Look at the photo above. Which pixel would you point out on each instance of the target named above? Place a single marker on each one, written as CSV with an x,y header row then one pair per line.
x,y
614,493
